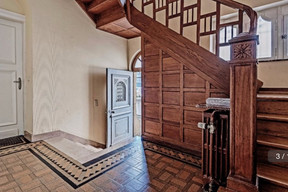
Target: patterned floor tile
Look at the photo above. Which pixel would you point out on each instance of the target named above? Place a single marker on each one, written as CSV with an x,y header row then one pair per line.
x,y
140,166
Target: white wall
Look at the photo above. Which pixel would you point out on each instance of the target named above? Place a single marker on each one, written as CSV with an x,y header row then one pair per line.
x,y
66,58
273,74
134,46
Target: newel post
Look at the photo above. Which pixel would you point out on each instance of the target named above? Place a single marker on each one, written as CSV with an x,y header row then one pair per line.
x,y
243,85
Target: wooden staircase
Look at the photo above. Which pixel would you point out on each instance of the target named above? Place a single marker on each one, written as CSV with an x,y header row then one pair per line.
x,y
272,134
272,105
109,16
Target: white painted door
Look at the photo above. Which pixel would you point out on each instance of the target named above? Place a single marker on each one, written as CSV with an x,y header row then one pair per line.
x,y
11,86
119,106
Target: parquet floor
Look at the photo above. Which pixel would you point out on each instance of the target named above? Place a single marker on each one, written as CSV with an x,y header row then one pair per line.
x,y
144,170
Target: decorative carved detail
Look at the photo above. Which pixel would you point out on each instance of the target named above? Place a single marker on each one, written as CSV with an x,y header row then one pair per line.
x,y
243,51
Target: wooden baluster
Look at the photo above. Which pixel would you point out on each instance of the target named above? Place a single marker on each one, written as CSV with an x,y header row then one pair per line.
x,y
217,28
192,12
240,15
167,13
198,20
154,8
210,23
243,78
143,1
181,16
205,24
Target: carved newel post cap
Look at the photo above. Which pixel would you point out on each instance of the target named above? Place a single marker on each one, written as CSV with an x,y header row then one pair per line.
x,y
244,37
243,48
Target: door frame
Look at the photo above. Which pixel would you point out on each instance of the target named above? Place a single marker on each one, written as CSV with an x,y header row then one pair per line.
x,y
135,70
16,17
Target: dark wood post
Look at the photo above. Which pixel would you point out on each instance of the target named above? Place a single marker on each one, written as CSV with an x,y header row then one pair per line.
x,y
243,90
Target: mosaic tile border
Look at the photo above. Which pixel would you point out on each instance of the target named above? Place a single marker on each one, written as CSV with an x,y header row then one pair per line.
x,y
175,154
12,142
69,169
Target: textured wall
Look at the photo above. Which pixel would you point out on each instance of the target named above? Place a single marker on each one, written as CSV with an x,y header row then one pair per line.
x,y
273,74
12,5
134,46
69,61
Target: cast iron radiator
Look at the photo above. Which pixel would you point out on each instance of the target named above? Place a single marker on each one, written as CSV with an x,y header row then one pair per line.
x,y
215,148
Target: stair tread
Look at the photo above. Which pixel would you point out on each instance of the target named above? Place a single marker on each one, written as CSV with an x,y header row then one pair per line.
x,y
279,91
272,141
273,96
273,173
274,117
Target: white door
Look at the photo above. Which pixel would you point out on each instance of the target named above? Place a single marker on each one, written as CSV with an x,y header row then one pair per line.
x,y
119,106
11,87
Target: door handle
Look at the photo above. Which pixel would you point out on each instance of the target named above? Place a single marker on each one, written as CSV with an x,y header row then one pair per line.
x,y
19,82
112,111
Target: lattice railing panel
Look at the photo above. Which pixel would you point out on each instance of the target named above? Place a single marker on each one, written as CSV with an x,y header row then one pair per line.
x,y
191,14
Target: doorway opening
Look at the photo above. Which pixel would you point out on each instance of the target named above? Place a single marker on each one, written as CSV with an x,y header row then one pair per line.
x,y
136,68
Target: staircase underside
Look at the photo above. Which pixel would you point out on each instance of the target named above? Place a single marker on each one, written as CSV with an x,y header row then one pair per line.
x,y
109,16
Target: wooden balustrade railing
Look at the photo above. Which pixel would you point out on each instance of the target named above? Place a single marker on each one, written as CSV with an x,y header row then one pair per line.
x,y
206,24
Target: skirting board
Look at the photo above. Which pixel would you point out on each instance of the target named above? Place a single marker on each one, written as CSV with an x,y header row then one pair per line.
x,y
34,138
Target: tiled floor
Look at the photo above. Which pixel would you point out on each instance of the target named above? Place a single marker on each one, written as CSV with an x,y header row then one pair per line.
x,y
145,170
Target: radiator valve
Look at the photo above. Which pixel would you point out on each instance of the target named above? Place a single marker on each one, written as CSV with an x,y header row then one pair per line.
x,y
211,127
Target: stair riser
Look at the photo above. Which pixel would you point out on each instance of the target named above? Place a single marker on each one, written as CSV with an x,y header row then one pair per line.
x,y
262,156
266,186
274,107
274,128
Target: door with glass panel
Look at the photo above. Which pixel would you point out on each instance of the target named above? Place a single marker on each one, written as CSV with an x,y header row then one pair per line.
x,y
119,106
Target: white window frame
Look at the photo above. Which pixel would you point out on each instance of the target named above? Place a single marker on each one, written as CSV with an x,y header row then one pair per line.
x,y
271,15
285,32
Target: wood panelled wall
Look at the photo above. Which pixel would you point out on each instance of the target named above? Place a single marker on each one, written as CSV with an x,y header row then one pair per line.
x,y
170,93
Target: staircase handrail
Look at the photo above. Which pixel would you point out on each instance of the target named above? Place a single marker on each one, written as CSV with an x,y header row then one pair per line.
x,y
248,10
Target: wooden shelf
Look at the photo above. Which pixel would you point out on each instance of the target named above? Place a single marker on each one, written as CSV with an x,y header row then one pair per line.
x,y
274,174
